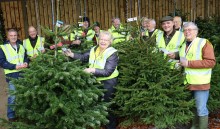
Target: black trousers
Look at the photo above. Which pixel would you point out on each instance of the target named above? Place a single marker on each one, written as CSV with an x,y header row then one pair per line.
x,y
109,86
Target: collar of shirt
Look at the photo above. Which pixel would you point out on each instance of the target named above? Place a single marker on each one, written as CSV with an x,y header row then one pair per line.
x,y
170,35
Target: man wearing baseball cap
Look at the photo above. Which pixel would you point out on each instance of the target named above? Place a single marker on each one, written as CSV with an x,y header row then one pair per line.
x,y
169,38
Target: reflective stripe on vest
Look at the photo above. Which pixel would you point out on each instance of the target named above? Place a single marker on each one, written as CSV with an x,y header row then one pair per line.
x,y
38,47
89,36
196,76
12,56
99,62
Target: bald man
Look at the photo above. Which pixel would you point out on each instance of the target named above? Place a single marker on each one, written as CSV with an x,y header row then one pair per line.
x,y
177,23
33,44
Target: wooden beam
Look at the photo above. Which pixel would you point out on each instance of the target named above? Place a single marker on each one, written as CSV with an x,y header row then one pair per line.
x,y
24,12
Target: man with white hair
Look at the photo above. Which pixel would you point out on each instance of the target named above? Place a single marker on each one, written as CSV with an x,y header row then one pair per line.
x,y
197,57
151,30
114,30
178,23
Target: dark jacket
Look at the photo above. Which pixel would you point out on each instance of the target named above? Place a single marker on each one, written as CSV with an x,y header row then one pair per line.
x,y
110,66
7,65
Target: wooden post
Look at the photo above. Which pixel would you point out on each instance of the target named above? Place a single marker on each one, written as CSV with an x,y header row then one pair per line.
x,y
24,11
37,17
3,96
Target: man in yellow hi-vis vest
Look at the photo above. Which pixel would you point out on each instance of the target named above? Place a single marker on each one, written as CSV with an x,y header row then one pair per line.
x,y
103,60
151,29
34,43
169,40
13,59
197,57
118,36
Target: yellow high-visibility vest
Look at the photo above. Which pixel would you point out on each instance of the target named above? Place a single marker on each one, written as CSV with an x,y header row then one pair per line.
x,y
99,62
174,44
118,37
194,52
38,47
12,56
90,34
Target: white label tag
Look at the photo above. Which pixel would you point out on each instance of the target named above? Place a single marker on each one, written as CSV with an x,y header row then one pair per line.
x,y
59,23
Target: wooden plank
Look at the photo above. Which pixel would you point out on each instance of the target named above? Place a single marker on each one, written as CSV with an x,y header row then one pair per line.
x,y
75,14
8,15
160,9
136,9
117,8
102,20
98,14
33,14
150,4
49,13
70,14
3,7
143,8
113,10
29,12
45,13
213,8
17,19
122,17
65,11
21,18
109,11
106,22
12,14
41,13
90,10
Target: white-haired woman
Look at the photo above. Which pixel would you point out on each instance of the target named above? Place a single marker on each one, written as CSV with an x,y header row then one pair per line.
x,y
103,61
197,57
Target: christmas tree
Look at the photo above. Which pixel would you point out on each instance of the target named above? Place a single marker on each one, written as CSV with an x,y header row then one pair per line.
x,y
149,91
55,93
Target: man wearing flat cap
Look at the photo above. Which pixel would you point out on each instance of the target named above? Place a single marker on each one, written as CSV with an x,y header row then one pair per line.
x,y
169,38
85,32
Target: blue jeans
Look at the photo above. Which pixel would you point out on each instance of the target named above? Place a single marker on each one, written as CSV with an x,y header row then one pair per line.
x,y
201,97
11,101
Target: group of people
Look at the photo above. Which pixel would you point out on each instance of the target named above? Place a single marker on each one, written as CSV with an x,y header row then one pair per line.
x,y
183,47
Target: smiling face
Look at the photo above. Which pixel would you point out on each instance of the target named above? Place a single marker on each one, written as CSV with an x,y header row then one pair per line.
x,y
32,32
12,37
96,29
177,22
168,26
190,33
150,25
116,23
85,24
105,40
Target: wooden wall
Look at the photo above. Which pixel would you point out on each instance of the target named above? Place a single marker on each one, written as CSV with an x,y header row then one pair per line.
x,y
23,13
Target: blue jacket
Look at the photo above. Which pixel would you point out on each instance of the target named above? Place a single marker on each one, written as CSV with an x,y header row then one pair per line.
x,y
7,65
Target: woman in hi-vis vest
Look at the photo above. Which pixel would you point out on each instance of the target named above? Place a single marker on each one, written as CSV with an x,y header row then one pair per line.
x,y
103,61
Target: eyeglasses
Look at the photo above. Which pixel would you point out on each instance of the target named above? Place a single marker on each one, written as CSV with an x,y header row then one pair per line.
x,y
105,40
185,30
